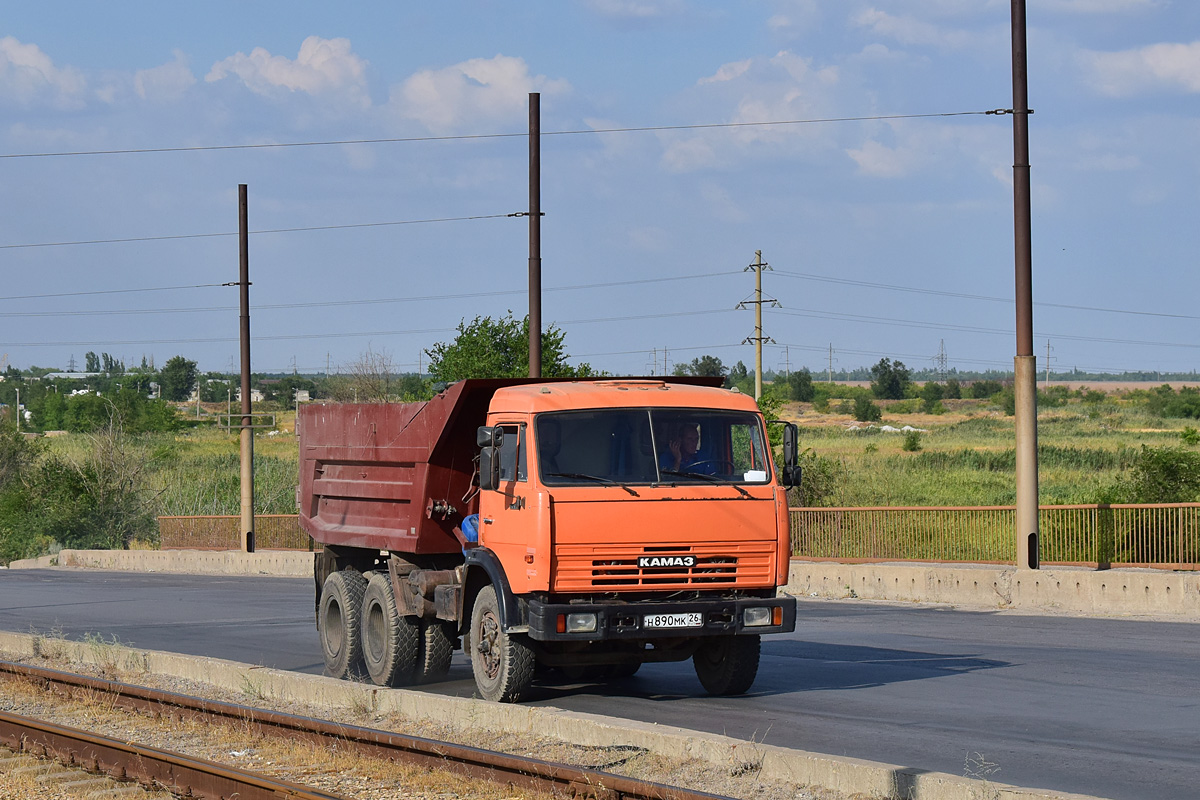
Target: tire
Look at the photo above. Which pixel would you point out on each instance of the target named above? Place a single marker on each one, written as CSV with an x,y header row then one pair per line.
x,y
435,651
389,641
502,662
727,665
338,616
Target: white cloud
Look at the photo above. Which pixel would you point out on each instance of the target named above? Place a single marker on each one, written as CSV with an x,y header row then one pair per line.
x,y
727,72
322,67
637,10
881,161
167,82
1158,66
1098,6
686,155
911,31
28,75
650,239
478,90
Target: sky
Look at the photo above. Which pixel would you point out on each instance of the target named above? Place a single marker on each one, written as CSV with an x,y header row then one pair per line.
x,y
844,139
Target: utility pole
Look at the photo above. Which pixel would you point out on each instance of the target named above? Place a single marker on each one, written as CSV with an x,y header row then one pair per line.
x,y
247,431
830,373
758,266
17,410
787,363
1025,362
940,360
535,235
1047,363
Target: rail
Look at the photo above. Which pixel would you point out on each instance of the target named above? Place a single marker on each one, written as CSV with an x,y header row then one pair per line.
x,y
501,768
177,773
1165,536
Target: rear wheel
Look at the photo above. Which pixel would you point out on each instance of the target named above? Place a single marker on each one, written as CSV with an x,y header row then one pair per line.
x,y
389,641
502,662
338,616
727,664
436,650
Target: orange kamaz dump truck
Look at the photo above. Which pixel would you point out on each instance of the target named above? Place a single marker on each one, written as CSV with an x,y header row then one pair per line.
x,y
589,526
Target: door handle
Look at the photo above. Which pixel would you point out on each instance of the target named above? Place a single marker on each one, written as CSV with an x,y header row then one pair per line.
x,y
487,520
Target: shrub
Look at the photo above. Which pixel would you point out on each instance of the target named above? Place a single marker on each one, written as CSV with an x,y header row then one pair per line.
x,y
1190,436
912,442
981,390
1166,475
866,411
953,389
1164,402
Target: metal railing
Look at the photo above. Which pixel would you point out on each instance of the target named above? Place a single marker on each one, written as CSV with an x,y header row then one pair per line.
x,y
1165,535
271,532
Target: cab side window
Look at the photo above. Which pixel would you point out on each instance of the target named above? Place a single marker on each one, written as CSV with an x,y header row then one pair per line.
x,y
512,454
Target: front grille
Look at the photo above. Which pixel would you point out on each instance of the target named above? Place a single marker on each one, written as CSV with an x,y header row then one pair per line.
x,y
599,567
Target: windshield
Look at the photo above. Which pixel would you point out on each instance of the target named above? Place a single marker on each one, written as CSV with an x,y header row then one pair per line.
x,y
650,446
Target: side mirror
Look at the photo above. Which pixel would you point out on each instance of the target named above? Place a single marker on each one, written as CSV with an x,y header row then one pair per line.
x,y
791,455
490,440
489,437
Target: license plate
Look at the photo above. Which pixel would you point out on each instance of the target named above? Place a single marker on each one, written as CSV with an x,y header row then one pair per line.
x,y
692,619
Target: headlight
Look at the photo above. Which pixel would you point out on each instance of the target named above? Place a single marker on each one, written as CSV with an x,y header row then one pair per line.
x,y
581,623
757,616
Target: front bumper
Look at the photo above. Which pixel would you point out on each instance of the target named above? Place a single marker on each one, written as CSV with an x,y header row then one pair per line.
x,y
626,621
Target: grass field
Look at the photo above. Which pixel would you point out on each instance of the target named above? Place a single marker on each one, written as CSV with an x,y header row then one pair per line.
x,y
967,457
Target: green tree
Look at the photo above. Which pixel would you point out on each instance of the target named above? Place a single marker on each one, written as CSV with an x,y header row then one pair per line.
x,y
706,366
91,362
499,348
800,386
177,378
890,379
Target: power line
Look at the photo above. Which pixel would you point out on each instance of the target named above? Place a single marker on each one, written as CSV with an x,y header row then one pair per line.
x,y
252,233
466,137
940,293
337,303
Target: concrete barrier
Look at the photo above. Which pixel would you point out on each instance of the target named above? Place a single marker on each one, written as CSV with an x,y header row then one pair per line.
x,y
279,563
1115,592
848,775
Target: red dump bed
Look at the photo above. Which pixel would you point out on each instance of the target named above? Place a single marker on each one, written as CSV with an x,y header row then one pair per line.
x,y
370,473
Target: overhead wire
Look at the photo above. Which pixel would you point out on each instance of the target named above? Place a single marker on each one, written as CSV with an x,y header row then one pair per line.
x,y
474,136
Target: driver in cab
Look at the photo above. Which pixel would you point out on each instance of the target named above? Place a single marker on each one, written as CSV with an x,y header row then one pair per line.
x,y
682,453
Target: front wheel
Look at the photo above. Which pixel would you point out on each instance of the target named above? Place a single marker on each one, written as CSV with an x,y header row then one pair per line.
x,y
502,662
727,664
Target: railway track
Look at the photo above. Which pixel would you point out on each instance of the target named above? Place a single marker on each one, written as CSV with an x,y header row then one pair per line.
x,y
151,767
477,763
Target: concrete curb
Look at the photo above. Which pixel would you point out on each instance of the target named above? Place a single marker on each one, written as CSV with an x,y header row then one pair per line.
x,y
278,563
846,775
1117,592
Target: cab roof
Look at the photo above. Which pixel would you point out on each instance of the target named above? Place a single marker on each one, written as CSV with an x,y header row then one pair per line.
x,y
533,398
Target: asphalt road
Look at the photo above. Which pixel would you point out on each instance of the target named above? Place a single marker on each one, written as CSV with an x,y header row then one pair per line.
x,y
1096,706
